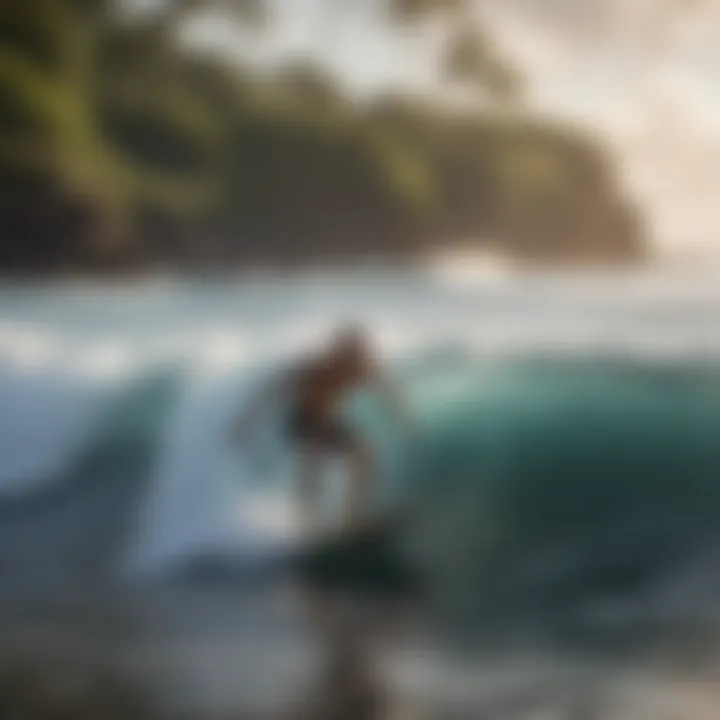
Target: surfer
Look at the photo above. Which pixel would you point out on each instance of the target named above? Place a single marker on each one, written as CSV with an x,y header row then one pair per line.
x,y
351,581
316,389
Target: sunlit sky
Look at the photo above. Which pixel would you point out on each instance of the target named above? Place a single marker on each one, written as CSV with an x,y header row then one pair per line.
x,y
643,74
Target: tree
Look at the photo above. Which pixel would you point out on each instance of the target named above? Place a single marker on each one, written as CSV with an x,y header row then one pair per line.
x,y
119,145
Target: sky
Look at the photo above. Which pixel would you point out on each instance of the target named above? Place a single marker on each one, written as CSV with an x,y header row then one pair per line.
x,y
644,75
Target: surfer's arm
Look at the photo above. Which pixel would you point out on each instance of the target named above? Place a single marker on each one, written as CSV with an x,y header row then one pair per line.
x,y
393,397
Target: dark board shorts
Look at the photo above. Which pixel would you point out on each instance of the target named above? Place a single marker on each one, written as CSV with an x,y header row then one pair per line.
x,y
320,433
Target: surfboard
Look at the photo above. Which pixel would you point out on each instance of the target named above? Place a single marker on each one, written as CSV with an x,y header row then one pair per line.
x,y
369,562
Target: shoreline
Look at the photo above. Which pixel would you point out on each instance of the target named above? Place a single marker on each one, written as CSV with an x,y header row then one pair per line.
x,y
422,263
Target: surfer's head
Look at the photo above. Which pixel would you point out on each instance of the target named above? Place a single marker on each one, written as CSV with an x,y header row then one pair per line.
x,y
350,348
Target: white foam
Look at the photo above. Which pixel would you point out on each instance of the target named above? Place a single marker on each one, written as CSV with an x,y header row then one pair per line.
x,y
203,492
108,360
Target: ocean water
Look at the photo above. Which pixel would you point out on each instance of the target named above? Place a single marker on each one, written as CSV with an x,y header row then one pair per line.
x,y
563,468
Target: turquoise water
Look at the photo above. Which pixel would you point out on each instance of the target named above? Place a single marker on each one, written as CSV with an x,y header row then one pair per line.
x,y
574,493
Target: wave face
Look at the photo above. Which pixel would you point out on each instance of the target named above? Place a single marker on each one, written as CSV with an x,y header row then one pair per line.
x,y
564,473
577,494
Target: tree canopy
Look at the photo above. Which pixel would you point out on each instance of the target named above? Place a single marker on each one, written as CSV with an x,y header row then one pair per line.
x,y
121,147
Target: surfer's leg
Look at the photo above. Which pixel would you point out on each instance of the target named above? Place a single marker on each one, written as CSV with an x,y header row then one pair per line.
x,y
362,466
308,477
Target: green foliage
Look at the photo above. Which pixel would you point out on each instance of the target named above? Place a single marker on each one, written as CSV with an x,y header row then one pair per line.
x,y
117,145
470,59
